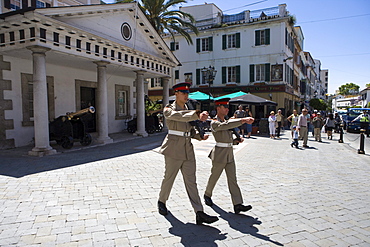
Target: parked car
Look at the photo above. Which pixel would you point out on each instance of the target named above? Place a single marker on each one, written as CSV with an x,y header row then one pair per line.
x,y
352,113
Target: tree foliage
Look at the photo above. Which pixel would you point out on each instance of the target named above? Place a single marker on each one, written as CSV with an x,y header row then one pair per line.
x,y
318,104
165,20
349,89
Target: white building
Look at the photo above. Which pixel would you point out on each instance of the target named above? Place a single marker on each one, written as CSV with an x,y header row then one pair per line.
x,y
253,51
58,60
365,96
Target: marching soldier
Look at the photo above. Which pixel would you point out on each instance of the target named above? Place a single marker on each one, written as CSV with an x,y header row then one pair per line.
x,y
222,155
179,154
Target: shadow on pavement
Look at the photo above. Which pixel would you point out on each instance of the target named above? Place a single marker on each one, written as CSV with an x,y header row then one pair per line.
x,y
243,223
23,165
194,235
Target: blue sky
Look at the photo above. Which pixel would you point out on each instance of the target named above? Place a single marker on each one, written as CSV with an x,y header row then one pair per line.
x,y
337,32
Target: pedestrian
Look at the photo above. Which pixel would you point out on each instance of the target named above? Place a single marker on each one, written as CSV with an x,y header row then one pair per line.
x,y
240,113
295,137
222,155
302,127
179,153
248,128
313,115
293,119
279,120
318,123
364,122
272,124
330,125
338,121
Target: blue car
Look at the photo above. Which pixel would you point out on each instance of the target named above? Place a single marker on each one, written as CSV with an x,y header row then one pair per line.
x,y
352,113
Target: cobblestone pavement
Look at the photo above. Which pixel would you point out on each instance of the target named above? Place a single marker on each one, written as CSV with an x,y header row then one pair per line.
x,y
107,196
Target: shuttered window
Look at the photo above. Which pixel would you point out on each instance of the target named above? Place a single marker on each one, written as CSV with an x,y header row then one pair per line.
x,y
204,44
262,37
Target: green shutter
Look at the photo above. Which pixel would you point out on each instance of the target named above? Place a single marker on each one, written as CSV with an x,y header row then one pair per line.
x,y
251,73
224,41
198,45
224,75
238,74
172,46
267,72
177,74
257,37
198,77
210,43
237,40
267,36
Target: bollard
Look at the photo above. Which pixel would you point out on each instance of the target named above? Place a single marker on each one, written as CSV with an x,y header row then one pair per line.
x,y
340,133
362,142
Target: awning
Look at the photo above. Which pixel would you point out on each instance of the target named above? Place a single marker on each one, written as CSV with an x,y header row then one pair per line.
x,y
200,96
251,100
231,95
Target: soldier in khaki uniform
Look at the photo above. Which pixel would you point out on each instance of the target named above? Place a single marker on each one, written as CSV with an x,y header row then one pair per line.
x,y
179,153
222,155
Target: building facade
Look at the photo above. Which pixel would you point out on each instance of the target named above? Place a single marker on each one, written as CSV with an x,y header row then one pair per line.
x,y
58,60
260,52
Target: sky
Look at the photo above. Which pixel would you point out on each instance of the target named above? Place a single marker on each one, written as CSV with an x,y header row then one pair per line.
x,y
336,32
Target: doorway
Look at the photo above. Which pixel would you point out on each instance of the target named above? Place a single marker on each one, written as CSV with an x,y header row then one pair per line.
x,y
87,96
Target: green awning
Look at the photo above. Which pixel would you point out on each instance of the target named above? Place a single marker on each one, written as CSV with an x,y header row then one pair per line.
x,y
231,95
200,96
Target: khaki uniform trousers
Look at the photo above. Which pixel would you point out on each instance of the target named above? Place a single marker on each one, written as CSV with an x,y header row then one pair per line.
x,y
188,169
217,168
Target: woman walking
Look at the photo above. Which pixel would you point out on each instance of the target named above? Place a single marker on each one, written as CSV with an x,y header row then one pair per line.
x,y
330,125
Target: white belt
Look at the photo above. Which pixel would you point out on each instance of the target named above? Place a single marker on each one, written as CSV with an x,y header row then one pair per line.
x,y
223,145
178,133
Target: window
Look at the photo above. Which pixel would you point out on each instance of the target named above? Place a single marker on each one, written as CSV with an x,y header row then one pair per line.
x,y
205,44
174,46
155,82
189,77
259,72
40,4
177,74
231,41
231,74
262,37
15,4
27,98
122,101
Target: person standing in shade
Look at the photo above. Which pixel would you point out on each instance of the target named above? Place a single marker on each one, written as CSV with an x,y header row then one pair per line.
x,y
279,120
222,155
179,153
248,128
240,113
318,123
302,127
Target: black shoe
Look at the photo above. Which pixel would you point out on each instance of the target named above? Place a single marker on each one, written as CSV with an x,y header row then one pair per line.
x,y
205,218
241,208
208,200
305,146
291,144
162,209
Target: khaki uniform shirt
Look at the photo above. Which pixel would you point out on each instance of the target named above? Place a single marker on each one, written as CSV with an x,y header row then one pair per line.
x,y
222,133
179,147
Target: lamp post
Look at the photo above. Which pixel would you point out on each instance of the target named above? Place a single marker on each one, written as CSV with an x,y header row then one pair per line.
x,y
209,75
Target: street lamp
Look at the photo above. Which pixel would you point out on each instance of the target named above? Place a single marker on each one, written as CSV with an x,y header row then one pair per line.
x,y
209,75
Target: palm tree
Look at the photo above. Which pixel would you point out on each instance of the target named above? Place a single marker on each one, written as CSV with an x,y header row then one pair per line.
x,y
165,20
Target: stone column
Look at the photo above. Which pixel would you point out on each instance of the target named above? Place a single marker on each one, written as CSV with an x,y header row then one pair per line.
x,y
166,96
140,104
102,104
40,103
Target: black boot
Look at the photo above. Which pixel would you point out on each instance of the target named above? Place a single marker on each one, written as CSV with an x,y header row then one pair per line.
x,y
208,200
241,208
162,209
205,218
